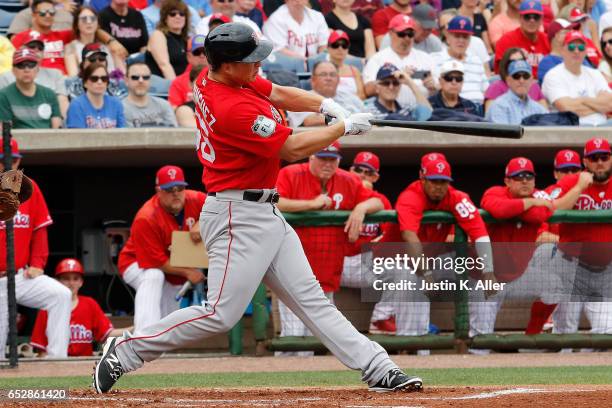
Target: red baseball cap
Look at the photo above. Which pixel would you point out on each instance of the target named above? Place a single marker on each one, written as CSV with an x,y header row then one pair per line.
x,y
400,23
567,158
432,156
219,17
25,54
437,170
69,265
577,15
574,35
333,150
338,35
519,165
367,159
170,176
596,145
14,149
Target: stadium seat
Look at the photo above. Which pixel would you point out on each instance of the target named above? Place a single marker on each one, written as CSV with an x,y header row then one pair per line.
x,y
5,21
285,62
12,6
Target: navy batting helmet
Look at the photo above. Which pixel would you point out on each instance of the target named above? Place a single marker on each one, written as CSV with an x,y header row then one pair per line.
x,y
235,42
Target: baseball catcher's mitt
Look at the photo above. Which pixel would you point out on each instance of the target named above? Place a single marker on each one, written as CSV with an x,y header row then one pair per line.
x,y
15,188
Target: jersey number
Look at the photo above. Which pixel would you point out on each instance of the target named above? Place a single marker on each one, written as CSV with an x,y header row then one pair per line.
x,y
465,208
205,122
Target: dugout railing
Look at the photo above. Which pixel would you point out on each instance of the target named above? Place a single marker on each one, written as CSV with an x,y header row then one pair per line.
x,y
459,338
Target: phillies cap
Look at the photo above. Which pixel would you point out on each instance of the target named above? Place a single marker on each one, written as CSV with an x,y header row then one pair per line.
x,y
437,170
170,176
576,15
531,7
197,42
519,165
338,35
333,150
367,159
596,145
69,265
432,156
25,54
34,37
574,35
567,158
219,17
425,15
556,26
386,71
519,66
14,150
92,49
400,23
460,25
451,66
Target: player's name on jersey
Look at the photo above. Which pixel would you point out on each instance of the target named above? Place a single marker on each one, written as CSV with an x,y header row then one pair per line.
x,y
444,286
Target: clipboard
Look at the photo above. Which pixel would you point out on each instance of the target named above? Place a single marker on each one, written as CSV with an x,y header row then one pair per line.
x,y
187,254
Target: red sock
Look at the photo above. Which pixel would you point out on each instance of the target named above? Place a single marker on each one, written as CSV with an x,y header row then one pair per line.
x,y
540,312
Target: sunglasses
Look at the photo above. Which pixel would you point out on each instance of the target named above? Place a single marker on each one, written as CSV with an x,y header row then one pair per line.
x,y
523,177
88,19
404,34
569,170
364,170
602,157
389,82
573,47
199,52
175,13
604,43
26,65
534,17
339,44
453,78
139,77
521,75
44,13
98,78
175,189
99,58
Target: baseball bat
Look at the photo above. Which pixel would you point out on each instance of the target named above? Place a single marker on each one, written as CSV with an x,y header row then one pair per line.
x,y
464,128
186,286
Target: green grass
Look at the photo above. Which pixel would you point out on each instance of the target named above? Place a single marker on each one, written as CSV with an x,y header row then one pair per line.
x,y
454,376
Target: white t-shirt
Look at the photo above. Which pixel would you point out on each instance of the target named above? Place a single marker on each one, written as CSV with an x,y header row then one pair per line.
x,y
202,27
419,60
605,21
304,39
475,81
477,47
560,83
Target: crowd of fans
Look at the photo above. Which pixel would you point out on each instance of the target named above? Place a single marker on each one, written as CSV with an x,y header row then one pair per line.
x,y
531,62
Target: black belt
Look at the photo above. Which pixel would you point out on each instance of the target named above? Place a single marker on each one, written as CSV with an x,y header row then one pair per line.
x,y
592,268
255,195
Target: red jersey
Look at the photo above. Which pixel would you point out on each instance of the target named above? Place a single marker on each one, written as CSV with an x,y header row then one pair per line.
x,y
325,247
522,228
151,233
55,43
372,230
594,197
87,323
29,226
180,89
380,20
240,134
536,50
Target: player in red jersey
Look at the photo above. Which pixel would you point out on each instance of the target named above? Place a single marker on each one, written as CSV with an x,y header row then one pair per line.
x,y
88,323
242,139
144,261
32,287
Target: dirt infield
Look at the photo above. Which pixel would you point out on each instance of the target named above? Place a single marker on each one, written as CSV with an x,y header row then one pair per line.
x,y
566,396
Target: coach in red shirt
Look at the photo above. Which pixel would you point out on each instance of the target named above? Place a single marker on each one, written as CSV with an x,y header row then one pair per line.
x,y
528,36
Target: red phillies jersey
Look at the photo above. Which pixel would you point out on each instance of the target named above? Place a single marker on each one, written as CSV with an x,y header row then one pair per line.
x,y
325,247
594,197
87,323
31,216
151,233
521,228
372,230
241,134
536,50
55,42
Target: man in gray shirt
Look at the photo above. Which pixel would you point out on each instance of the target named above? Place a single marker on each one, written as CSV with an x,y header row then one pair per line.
x,y
140,108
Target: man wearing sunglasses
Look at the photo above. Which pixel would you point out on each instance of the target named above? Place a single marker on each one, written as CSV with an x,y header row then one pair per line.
x,y
570,86
515,105
23,20
25,103
140,108
528,36
451,83
144,261
151,16
180,89
382,18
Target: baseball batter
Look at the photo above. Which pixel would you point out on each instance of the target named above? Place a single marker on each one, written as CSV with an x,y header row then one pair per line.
x,y
242,140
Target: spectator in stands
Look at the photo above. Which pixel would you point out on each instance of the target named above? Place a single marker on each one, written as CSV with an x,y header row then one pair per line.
x,y
424,17
248,9
95,109
325,80
6,55
180,90
469,9
223,8
126,25
152,15
401,53
458,35
297,30
451,78
356,27
556,34
167,49
144,261
477,46
24,103
605,66
55,41
62,21
350,77
527,36
500,87
382,18
577,16
185,113
573,87
605,21
385,105
505,22
515,105
140,108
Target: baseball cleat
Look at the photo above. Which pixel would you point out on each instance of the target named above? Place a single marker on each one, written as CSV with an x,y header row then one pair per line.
x,y
383,326
396,380
108,370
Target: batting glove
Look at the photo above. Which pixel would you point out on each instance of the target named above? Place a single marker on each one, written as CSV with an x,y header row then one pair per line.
x,y
329,107
358,124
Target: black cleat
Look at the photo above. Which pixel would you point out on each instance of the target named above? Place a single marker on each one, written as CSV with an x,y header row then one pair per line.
x,y
396,380
108,370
